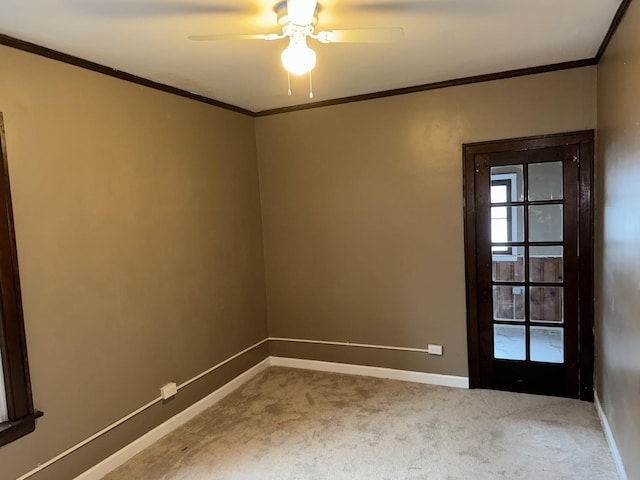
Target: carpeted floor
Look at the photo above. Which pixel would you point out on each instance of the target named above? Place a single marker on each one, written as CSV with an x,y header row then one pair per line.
x,y
304,425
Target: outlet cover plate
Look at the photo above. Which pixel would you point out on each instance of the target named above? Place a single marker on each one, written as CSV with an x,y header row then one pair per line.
x,y
168,390
435,349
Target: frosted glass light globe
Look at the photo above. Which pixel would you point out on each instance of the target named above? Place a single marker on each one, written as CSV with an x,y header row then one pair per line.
x,y
298,58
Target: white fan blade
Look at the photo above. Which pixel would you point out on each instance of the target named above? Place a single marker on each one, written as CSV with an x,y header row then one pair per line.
x,y
362,35
155,8
434,7
233,36
300,12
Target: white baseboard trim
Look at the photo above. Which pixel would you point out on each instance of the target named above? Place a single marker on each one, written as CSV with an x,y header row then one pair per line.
x,y
121,456
124,419
379,372
615,453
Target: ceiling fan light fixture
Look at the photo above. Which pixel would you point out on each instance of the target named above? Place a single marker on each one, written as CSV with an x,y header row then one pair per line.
x,y
298,58
298,19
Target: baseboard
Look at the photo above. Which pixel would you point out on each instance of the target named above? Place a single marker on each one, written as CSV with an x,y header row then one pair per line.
x,y
379,372
111,463
121,456
615,453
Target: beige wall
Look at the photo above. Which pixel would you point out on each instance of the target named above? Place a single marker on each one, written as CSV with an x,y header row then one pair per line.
x,y
363,215
137,216
140,245
618,231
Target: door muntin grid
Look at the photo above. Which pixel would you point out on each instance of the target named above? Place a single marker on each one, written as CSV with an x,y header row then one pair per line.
x,y
527,256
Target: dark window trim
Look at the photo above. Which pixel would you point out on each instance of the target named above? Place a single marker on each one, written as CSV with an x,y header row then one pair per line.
x,y
509,184
13,345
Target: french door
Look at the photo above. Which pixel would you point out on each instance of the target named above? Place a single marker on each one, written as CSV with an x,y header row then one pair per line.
x,y
528,228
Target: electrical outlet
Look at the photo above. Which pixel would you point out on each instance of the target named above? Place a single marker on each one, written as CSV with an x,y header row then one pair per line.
x,y
168,390
435,349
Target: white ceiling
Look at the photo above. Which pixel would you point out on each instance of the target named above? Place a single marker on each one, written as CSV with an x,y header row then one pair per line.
x,y
444,40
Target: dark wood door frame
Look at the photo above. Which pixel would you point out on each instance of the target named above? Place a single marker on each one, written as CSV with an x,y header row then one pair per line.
x,y
585,143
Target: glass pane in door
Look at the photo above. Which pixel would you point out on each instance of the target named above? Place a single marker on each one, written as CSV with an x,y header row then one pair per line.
x,y
545,223
507,184
545,181
508,303
509,342
546,304
546,264
507,264
507,224
547,344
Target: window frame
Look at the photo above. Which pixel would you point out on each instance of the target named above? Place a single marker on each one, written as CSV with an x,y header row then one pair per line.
x,y
13,346
510,181
507,184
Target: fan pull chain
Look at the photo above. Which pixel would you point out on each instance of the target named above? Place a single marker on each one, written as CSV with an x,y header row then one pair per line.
x,y
289,83
310,86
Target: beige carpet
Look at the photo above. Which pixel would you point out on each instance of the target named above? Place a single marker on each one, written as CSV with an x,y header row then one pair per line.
x,y
298,424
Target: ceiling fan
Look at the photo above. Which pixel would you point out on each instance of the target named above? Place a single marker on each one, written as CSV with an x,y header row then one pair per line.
x,y
298,19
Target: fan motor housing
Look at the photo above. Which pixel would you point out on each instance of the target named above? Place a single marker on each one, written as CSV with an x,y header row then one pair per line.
x,y
283,15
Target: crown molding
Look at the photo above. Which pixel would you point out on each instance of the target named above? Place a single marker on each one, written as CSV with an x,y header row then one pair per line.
x,y
434,86
112,72
615,23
